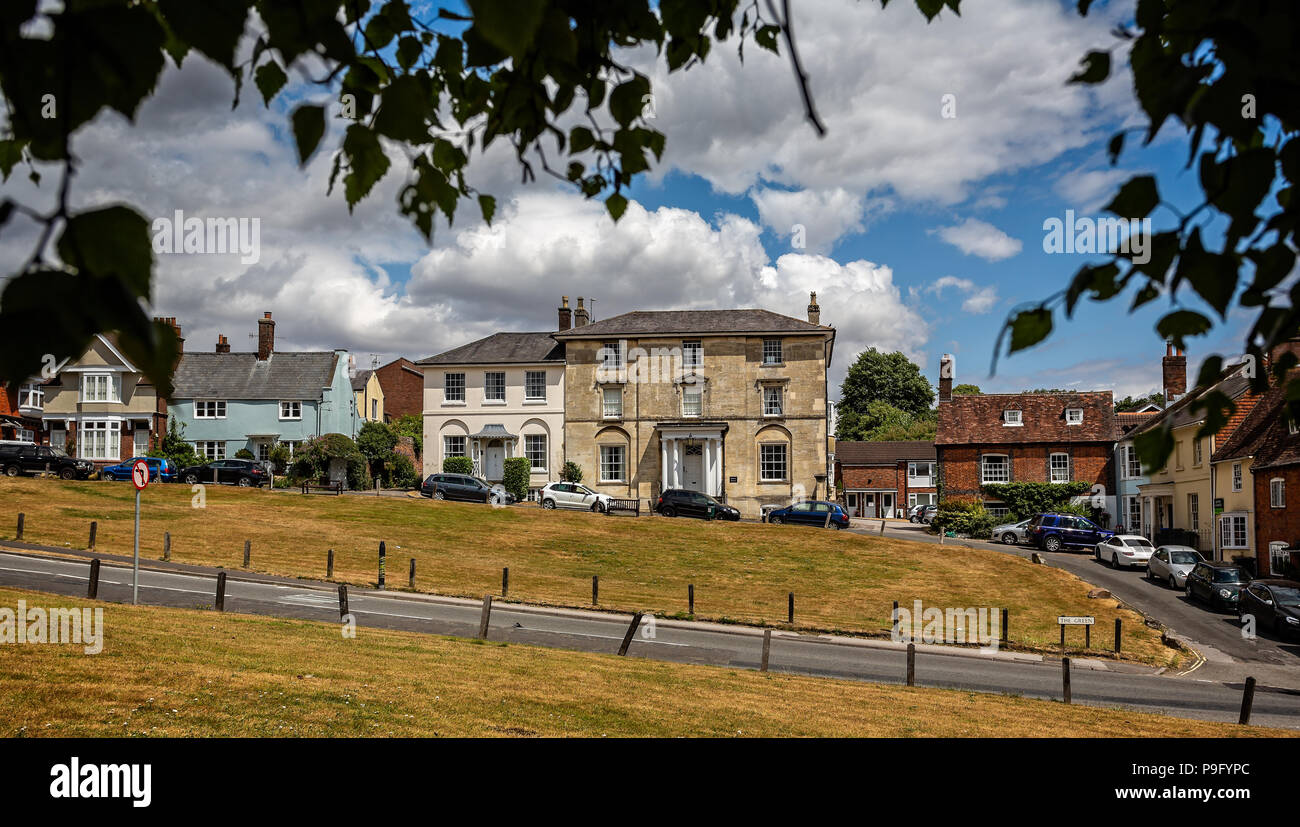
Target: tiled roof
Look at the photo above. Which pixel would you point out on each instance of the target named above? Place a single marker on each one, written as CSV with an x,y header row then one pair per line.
x,y
883,453
359,381
978,419
693,322
1181,413
502,348
1263,434
1126,421
241,376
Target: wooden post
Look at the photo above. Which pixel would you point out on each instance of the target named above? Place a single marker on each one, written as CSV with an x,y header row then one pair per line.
x,y
595,589
505,580
893,621
1062,637
827,524
882,527
1247,701
767,649
329,565
911,664
791,611
248,552
92,587
411,580
485,617
690,599
21,517
383,551
1087,637
343,602
221,590
167,545
1119,633
1006,638
93,526
1065,678
631,630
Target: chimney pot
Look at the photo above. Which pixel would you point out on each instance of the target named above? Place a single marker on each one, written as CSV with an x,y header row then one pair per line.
x,y
947,370
814,309
566,314
1174,372
581,316
265,337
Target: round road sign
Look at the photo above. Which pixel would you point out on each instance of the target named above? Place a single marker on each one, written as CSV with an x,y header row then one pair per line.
x,y
140,474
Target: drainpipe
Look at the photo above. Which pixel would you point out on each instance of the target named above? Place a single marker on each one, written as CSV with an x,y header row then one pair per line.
x,y
1215,553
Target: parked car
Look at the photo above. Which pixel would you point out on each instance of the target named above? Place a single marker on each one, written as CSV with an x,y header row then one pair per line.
x,y
241,472
1274,603
28,458
160,470
1053,532
1012,533
1170,564
811,512
573,495
914,512
925,514
465,488
678,502
1125,551
1217,583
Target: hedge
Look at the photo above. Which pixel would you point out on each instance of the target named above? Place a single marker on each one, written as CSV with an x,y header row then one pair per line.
x,y
963,515
515,475
458,465
1025,499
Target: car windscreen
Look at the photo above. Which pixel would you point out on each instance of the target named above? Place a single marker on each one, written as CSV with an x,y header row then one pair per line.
x,y
1286,596
58,452
1229,576
1138,544
1184,557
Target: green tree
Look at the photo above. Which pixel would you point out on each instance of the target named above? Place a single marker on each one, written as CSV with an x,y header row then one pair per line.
x,y
1133,403
174,447
881,389
515,474
967,390
572,472
411,425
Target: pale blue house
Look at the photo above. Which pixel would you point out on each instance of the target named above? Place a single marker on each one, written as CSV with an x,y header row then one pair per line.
x,y
227,401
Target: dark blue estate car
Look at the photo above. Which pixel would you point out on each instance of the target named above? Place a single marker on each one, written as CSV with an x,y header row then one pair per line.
x,y
1053,532
160,469
812,512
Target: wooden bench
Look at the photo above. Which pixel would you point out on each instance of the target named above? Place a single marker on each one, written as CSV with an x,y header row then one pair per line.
x,y
630,506
335,488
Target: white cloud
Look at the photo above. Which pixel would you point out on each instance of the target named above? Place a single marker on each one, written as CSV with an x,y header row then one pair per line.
x,y
978,299
980,238
1088,190
823,217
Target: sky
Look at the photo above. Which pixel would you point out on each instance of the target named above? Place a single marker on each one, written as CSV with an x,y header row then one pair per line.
x,y
920,232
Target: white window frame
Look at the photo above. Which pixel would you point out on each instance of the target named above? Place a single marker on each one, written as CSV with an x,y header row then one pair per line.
x,y
31,396
1013,418
919,480
1194,511
109,386
453,387
1196,452
613,463
533,454
1236,476
611,355
913,498
534,379
696,410
773,457
768,408
287,407
1074,416
1228,536
1274,558
448,451
984,466
1132,465
210,450
210,409
1052,466
1277,493
494,381
611,411
111,447
1133,513
773,352
692,354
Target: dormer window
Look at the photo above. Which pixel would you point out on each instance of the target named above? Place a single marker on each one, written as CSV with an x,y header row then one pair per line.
x,y
1012,418
1074,416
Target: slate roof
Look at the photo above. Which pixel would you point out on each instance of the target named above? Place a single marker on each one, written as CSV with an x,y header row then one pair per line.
x,y
493,431
502,348
977,419
694,323
359,381
883,453
285,375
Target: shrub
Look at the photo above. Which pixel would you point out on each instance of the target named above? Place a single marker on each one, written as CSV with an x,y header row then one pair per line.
x,y
458,465
376,441
963,515
173,447
401,472
244,453
315,455
280,457
514,476
572,472
1025,499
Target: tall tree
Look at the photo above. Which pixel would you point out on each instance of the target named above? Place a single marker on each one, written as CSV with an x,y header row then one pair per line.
x,y
881,390
967,390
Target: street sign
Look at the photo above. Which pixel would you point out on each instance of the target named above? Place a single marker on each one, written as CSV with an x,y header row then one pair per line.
x,y
140,478
1074,621
140,474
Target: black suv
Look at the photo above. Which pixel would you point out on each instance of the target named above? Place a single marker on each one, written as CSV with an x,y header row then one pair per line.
x,y
1217,583
241,472
678,502
1053,532
33,459
463,487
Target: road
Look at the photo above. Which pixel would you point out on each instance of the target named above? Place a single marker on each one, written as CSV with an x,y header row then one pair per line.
x,y
736,647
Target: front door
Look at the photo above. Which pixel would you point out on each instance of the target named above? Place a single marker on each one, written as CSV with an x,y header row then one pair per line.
x,y
693,466
494,460
852,499
886,505
870,509
140,442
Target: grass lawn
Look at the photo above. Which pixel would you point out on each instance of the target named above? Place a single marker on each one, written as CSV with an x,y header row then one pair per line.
x,y
185,673
741,571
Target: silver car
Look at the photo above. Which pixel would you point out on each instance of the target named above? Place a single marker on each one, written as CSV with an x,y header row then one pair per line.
x,y
573,495
1170,564
1012,533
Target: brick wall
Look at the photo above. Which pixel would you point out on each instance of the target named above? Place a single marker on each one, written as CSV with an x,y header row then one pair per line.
x,y
960,465
1275,524
879,477
403,385
406,446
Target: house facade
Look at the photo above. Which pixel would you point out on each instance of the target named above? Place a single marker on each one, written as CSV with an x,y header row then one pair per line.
x,y
1028,437
226,401
369,397
1129,474
21,407
732,403
884,479
402,383
497,398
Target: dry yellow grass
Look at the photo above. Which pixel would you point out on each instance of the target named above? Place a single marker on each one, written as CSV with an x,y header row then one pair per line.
x,y
741,571
186,673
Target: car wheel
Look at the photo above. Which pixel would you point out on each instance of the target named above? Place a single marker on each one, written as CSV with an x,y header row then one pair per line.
x,y
1052,544
438,495
1009,538
548,503
1173,582
12,470
775,520
191,479
1190,594
669,511
596,507
244,482
1114,560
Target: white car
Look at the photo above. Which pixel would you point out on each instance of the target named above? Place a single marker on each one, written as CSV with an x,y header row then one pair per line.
x,y
573,495
1125,551
1171,564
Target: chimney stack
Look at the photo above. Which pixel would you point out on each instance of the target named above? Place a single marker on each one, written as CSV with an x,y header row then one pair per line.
x,y
170,321
265,337
947,369
222,345
580,316
1174,368
566,314
814,309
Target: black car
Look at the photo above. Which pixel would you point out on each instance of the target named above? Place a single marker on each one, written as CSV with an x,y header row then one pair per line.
x,y
463,487
1274,604
1053,532
1217,583
18,459
241,472
678,502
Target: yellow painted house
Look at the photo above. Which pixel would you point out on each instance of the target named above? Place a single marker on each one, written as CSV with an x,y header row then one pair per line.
x,y
370,396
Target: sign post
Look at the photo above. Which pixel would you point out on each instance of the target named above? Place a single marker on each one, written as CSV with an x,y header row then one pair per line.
x,y
140,478
1068,620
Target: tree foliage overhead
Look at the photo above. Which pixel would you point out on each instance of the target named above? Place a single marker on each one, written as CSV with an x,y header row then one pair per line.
x,y
546,76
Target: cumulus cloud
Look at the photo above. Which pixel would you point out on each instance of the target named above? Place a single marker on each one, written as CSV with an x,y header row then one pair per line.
x,y
978,299
980,238
819,218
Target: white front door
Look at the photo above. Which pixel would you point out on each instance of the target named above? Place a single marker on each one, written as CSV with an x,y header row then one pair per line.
x,y
886,505
494,460
869,509
141,442
693,466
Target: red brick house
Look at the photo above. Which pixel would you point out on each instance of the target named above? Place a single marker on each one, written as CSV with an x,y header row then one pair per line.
x,y
884,479
20,411
1023,437
403,385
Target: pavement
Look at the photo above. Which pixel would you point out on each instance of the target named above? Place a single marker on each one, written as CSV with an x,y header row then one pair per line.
x,y
1101,683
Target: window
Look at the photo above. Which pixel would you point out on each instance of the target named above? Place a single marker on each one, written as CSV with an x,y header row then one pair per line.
x,y
1012,418
920,474
453,387
772,462
1196,452
611,355
612,463
613,402
922,499
772,354
994,468
210,450
58,439
1278,557
998,510
289,410
1236,476
1232,530
26,435
98,387
692,401
374,409
453,446
264,451
213,409
771,401
1132,465
1292,427
1277,493
1059,465
535,385
31,396
535,450
1134,511
1074,416
1194,511
100,440
494,386
692,354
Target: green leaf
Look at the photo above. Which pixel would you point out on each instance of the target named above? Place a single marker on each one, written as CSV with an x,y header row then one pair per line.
x,y
617,205
1180,324
211,26
270,79
1153,448
379,32
580,139
1115,147
488,206
766,37
1096,68
403,110
308,128
111,242
627,100
367,163
1029,327
1136,199
508,24
930,8
408,51
11,152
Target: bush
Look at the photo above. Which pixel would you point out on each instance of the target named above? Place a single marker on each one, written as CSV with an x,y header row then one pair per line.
x,y
280,457
458,465
173,447
1025,499
244,453
401,472
376,441
315,455
515,475
572,472
963,515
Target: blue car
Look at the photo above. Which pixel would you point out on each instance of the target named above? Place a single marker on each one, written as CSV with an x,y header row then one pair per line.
x,y
812,512
160,470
